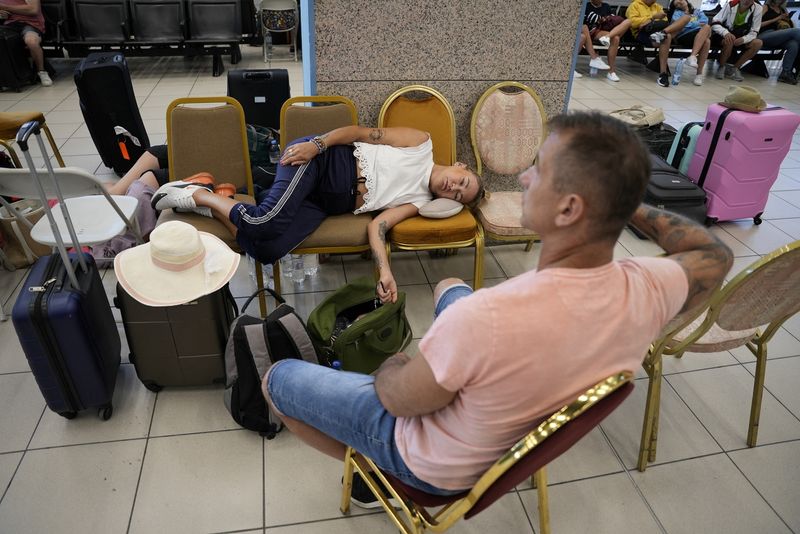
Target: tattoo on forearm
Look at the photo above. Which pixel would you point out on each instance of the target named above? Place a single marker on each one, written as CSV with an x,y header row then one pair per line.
x,y
376,253
376,134
382,229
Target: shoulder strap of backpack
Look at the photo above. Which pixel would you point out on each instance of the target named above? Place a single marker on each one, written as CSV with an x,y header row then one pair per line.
x,y
294,329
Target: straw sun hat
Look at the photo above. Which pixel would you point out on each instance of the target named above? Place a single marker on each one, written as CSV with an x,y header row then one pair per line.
x,y
744,98
177,266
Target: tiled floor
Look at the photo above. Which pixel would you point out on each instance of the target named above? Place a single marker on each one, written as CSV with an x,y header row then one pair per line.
x,y
176,462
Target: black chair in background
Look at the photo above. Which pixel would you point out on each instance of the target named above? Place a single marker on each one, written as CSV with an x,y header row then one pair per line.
x,y
158,21
101,21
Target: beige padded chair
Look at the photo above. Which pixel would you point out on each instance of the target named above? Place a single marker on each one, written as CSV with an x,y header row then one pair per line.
x,y
426,109
207,134
508,125
747,311
338,234
10,123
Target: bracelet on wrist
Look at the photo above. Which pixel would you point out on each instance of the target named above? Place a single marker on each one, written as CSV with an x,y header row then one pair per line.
x,y
320,144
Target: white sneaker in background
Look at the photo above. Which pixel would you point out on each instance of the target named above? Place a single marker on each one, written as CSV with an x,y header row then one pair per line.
x,y
604,40
45,78
576,74
599,64
692,61
698,80
612,76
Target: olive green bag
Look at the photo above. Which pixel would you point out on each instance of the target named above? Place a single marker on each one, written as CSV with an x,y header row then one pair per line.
x,y
351,326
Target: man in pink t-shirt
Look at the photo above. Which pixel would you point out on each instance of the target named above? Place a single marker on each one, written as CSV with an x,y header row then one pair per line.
x,y
497,361
26,15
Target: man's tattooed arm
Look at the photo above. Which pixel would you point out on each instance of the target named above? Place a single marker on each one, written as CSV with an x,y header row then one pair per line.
x,y
705,259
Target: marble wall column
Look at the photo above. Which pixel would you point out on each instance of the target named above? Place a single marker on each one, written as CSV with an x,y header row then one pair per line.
x,y
367,50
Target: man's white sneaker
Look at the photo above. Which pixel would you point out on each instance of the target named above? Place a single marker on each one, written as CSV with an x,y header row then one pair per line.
x,y
698,80
604,40
200,210
599,64
45,78
612,76
657,38
576,74
176,195
692,61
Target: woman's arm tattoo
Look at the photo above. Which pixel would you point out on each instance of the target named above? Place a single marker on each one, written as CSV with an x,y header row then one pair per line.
x,y
376,134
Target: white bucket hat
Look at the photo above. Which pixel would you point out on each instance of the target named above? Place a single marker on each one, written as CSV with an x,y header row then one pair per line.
x,y
177,266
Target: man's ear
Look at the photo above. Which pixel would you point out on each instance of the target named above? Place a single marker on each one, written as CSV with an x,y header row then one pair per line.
x,y
571,209
460,164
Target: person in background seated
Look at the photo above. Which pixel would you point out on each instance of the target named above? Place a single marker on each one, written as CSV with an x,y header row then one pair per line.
x,y
607,29
350,169
586,42
696,34
736,27
651,27
497,361
778,31
26,16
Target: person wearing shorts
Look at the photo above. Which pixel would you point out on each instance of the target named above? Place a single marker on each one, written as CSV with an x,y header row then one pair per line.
x,y
696,34
736,28
26,17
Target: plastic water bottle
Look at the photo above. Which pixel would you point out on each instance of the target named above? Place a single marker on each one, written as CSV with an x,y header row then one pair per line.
x,y
266,273
298,269
274,151
676,76
287,268
311,266
593,72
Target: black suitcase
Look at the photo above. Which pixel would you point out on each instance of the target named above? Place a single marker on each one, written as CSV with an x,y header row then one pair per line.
x,y
66,329
110,110
178,345
15,64
670,190
261,93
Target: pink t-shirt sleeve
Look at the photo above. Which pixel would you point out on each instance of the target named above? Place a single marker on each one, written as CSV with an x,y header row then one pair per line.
x,y
450,346
666,279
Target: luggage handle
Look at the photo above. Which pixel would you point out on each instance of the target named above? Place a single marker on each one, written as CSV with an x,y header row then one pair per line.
x,y
276,296
24,133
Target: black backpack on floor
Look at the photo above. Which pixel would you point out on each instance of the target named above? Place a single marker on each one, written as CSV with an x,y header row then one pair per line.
x,y
253,346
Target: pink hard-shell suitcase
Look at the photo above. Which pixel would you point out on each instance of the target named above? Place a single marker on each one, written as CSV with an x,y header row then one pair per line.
x,y
738,157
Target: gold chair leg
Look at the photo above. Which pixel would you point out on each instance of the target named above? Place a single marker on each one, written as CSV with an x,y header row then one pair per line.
x,y
347,481
478,281
276,276
758,391
529,246
53,145
651,457
262,299
544,502
646,451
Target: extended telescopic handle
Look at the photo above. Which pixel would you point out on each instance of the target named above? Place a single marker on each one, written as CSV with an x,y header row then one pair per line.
x,y
24,133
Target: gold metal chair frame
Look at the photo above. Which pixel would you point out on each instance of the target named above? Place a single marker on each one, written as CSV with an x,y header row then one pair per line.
x,y
223,100
667,345
479,162
478,240
13,154
333,99
414,519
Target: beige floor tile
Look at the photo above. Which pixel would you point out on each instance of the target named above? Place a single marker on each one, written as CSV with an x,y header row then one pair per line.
x,y
792,325
191,409
762,238
720,398
43,105
774,471
706,495
201,483
301,483
608,504
789,226
639,247
740,264
419,308
461,265
81,146
406,267
304,303
133,409
785,183
22,404
64,117
12,358
8,465
781,380
592,456
782,205
514,260
89,163
329,277
736,246
680,435
88,488
695,361
781,345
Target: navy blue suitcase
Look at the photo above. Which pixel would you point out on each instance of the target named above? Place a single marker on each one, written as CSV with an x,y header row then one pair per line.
x,y
69,336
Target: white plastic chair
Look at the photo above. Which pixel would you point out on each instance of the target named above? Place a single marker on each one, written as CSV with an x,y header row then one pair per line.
x,y
96,215
278,16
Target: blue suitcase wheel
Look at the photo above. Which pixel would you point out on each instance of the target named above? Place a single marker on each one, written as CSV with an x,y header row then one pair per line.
x,y
68,415
106,412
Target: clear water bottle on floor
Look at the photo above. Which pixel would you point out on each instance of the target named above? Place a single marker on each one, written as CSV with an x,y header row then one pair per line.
x,y
676,76
274,152
298,269
287,268
593,72
311,265
266,273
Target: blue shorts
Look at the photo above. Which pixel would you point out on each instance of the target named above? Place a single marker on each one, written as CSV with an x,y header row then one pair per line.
x,y
346,407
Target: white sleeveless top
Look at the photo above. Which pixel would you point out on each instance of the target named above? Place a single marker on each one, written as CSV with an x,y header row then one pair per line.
x,y
394,176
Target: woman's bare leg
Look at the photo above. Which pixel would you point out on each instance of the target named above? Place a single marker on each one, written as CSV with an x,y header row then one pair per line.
x,y
220,206
700,39
678,25
703,55
146,162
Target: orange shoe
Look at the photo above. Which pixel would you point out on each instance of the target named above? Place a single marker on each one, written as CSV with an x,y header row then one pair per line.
x,y
201,178
225,190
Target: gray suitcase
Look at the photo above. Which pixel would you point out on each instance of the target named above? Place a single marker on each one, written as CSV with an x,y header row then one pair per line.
x,y
178,345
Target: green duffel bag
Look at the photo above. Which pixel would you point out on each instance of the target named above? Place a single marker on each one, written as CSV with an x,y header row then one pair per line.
x,y
351,326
